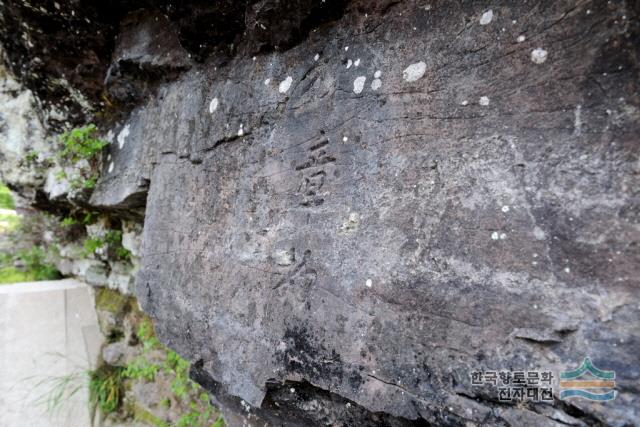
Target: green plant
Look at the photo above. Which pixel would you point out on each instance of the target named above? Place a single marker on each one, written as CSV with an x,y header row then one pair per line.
x,y
141,368
90,182
92,244
6,200
81,143
35,266
147,336
123,253
31,156
60,175
68,221
89,218
180,368
106,388
113,239
9,221
58,390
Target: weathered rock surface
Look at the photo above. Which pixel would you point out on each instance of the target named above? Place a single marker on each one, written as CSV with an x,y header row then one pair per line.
x,y
22,134
342,232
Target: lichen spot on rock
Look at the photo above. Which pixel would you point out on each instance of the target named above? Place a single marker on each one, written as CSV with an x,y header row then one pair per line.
x,y
484,101
349,63
358,84
495,235
357,62
521,38
285,85
486,17
505,209
315,58
414,71
368,283
539,234
122,136
213,106
539,55
351,224
375,84
241,130
267,81
110,167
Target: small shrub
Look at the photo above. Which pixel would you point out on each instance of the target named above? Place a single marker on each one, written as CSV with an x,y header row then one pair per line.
x,y
81,143
106,388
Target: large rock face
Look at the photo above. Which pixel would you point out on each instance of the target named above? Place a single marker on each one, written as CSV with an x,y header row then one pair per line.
x,y
340,233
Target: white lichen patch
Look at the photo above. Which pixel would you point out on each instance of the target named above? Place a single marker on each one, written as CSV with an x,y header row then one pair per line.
x,y
465,102
486,17
539,55
122,136
241,130
345,138
376,84
368,283
495,235
505,209
577,121
358,84
377,74
357,62
351,224
538,233
315,58
484,100
521,38
414,71
110,167
349,63
267,81
285,85
213,105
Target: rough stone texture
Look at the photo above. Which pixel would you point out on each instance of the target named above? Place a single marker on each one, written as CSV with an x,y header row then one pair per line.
x,y
491,204
409,194
21,133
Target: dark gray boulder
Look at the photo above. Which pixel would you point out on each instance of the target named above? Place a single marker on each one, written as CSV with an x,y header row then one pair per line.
x,y
412,194
342,232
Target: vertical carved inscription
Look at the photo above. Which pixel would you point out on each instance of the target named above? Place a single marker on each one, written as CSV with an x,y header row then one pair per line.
x,y
314,174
